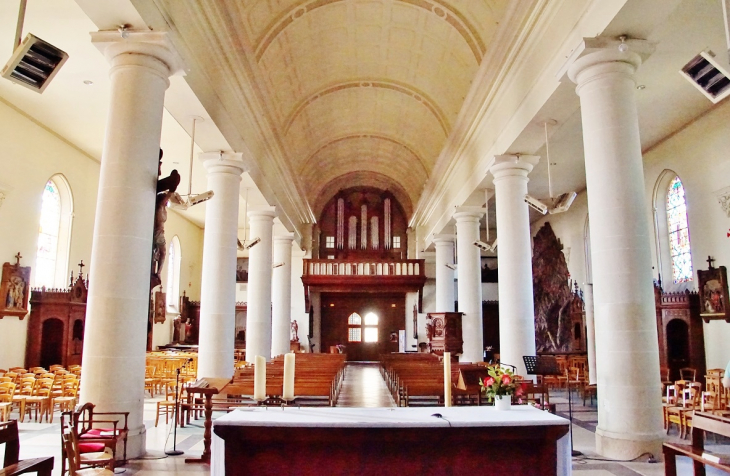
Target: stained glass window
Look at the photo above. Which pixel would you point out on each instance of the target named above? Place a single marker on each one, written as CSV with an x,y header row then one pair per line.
x,y
679,245
354,335
371,334
354,319
48,236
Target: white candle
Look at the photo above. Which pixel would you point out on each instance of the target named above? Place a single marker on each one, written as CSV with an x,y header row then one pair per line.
x,y
447,379
259,379
288,391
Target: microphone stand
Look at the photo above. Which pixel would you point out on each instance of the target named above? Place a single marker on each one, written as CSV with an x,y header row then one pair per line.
x,y
174,451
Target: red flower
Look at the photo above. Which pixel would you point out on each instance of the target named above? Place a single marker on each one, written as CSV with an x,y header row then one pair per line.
x,y
489,382
506,379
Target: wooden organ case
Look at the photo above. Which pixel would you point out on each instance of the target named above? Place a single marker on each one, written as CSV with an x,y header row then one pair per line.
x,y
56,325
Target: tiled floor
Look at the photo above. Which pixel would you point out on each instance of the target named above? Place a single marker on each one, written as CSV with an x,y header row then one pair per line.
x,y
363,387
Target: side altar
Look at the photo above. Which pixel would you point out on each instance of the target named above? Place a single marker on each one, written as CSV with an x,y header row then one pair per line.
x,y
390,441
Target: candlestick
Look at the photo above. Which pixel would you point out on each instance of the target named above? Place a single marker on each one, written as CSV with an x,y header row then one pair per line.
x,y
259,379
288,390
447,379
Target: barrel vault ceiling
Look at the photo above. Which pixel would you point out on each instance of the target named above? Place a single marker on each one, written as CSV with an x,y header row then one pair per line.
x,y
342,92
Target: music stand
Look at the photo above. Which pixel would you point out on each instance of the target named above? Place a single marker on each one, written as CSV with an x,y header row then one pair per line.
x,y
547,365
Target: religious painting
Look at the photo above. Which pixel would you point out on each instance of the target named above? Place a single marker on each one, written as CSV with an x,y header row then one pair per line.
x,y
242,270
160,307
714,302
14,289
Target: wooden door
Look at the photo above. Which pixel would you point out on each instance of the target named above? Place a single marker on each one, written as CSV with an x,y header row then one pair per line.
x,y
52,343
364,323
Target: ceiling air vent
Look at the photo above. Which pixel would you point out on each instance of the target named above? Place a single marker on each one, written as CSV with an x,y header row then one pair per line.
x,y
34,63
708,76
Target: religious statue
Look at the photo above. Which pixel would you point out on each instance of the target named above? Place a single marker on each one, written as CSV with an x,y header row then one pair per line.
x,y
165,189
14,289
294,331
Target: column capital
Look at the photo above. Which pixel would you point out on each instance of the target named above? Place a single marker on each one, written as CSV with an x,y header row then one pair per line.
x,y
444,239
268,213
597,56
513,165
285,238
223,162
154,44
467,214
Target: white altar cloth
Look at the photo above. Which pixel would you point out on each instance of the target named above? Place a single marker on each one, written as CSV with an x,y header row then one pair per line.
x,y
410,417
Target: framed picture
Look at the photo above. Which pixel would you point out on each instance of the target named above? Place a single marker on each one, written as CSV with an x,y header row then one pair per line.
x,y
714,302
242,270
14,290
160,307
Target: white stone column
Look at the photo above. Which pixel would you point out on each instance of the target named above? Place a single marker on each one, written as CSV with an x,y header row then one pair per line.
x,y
516,304
444,274
281,295
258,320
469,282
590,332
218,284
115,338
627,354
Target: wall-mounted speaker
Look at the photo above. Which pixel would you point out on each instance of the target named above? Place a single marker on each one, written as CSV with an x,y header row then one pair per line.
x,y
34,63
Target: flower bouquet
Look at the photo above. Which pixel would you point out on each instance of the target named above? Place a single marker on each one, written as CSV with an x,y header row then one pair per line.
x,y
499,384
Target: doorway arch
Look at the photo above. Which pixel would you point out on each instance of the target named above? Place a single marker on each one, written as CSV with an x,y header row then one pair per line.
x,y
52,342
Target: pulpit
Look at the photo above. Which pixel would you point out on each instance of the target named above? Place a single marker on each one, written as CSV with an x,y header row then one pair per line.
x,y
443,331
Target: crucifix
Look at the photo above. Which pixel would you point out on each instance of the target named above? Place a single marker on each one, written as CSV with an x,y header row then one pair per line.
x,y
710,260
17,259
81,268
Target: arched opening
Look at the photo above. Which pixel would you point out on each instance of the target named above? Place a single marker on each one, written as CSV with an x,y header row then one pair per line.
x,y
671,233
77,337
52,343
54,234
677,345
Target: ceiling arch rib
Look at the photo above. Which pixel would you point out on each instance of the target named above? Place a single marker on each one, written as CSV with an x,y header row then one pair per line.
x,y
370,110
438,8
369,179
367,136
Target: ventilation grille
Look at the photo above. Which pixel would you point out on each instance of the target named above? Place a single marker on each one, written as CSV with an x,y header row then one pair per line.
x,y
34,63
708,76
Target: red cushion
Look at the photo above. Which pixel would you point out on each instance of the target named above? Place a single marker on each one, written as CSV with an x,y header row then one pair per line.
x,y
96,432
91,447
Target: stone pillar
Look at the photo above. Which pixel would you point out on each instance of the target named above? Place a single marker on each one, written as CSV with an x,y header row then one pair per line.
x,y
444,274
218,285
590,333
516,304
470,282
627,355
281,295
115,339
258,320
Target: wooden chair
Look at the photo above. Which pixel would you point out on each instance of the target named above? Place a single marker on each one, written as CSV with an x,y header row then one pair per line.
x,y
85,464
67,400
40,399
151,383
12,465
168,404
682,414
664,377
6,399
23,389
86,423
688,373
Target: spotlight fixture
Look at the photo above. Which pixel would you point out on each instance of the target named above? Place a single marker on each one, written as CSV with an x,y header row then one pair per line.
x,y
34,63
623,47
239,245
486,247
278,265
452,267
177,201
253,243
536,204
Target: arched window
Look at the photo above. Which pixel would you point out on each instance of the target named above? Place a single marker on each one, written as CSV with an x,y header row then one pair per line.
x,y
54,234
679,245
174,256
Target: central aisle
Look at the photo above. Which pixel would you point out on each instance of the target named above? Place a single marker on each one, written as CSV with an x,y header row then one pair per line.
x,y
364,387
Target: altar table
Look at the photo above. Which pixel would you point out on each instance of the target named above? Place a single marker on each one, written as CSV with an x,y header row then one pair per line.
x,y
385,441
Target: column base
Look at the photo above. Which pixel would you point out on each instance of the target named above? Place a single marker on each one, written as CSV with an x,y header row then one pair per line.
x,y
628,448
136,443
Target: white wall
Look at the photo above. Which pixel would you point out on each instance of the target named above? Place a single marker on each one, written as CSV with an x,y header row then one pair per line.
x,y
29,156
699,154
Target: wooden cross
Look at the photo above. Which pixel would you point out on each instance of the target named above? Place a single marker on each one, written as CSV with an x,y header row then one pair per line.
x,y
81,267
710,260
17,259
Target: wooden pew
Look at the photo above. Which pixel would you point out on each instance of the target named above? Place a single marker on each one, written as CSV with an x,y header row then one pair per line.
x,y
12,465
702,422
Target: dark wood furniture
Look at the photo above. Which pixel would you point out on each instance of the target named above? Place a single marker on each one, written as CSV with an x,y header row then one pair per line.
x,y
12,465
702,422
386,441
443,331
56,326
681,333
